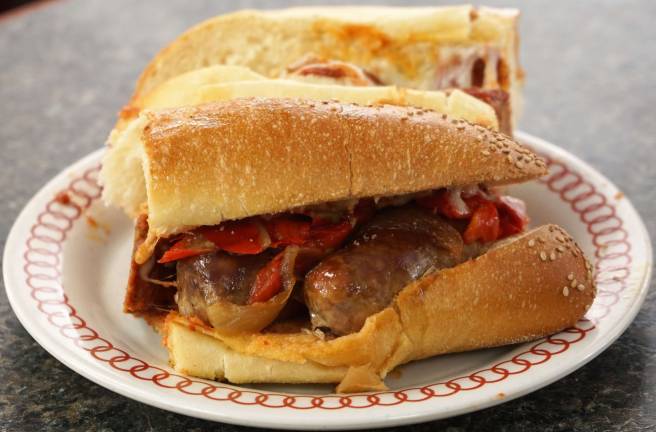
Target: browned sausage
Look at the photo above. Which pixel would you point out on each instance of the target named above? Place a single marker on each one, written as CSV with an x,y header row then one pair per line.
x,y
398,246
204,279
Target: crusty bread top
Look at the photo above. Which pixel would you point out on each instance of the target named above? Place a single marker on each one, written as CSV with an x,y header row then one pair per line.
x,y
251,156
402,46
122,173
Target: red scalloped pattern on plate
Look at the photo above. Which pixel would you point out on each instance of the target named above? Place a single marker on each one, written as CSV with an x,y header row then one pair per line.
x,y
43,276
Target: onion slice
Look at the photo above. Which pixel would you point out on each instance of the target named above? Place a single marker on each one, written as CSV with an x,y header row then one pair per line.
x,y
144,271
231,318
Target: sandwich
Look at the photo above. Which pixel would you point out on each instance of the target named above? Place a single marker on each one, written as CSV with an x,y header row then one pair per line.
x,y
301,241
427,48
313,211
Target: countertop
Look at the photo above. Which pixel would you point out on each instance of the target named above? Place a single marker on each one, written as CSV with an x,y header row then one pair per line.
x,y
66,67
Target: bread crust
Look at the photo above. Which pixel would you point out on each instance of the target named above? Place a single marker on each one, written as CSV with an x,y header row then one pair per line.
x,y
122,173
253,156
521,290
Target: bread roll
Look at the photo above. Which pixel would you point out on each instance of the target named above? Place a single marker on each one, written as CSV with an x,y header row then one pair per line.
x,y
253,156
523,289
122,173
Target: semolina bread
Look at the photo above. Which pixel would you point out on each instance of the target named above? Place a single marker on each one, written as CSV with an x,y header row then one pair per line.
x,y
124,158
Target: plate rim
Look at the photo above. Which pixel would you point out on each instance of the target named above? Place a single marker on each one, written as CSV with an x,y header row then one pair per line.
x,y
127,389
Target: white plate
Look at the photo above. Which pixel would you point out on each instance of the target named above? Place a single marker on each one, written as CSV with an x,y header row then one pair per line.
x,y
65,267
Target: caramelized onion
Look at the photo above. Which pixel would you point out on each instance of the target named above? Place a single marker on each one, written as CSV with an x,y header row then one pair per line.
x,y
144,274
230,317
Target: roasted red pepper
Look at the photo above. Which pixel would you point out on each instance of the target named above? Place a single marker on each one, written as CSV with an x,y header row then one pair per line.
x,y
447,203
246,236
512,215
182,249
490,218
288,230
268,281
329,236
484,225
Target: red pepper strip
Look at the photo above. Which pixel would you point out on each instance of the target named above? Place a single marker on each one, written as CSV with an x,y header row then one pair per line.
x,y
484,224
288,230
268,281
441,202
180,250
329,236
241,237
512,215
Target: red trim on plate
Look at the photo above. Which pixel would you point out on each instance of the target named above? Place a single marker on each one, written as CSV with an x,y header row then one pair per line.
x,y
43,276
610,239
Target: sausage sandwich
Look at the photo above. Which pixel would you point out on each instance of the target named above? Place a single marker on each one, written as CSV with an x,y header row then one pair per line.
x,y
295,240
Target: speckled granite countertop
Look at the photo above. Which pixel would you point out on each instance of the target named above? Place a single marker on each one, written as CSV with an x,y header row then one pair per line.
x,y
67,67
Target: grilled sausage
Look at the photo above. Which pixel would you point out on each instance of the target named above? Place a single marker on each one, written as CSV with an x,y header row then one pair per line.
x,y
204,279
398,246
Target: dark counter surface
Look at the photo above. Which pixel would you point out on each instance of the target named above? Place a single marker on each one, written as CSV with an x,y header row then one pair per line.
x,y
67,66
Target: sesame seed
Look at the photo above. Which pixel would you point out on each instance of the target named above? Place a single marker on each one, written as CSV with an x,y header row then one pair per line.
x,y
543,256
505,151
485,153
531,243
565,291
574,283
570,277
510,159
518,164
560,249
552,256
541,240
580,287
